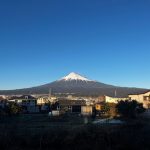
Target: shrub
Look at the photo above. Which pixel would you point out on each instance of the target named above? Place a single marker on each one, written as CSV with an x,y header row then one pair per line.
x,y
13,109
129,108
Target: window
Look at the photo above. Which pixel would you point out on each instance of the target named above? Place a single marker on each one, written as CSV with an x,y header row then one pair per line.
x,y
146,98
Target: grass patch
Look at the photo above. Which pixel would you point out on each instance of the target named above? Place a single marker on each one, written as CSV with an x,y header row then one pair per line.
x,y
30,132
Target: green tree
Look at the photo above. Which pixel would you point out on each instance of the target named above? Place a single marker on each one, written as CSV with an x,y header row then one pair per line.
x,y
129,108
13,109
109,109
105,107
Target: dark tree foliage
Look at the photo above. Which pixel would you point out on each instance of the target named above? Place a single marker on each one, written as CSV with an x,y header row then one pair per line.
x,y
105,107
129,108
109,109
13,109
54,106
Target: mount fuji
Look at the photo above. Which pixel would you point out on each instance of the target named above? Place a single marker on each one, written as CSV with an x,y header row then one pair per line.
x,y
74,76
79,85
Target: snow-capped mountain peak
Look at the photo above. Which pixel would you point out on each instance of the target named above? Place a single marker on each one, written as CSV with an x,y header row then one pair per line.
x,y
74,76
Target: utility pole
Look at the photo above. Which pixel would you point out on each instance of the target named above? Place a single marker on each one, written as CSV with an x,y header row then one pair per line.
x,y
115,93
50,93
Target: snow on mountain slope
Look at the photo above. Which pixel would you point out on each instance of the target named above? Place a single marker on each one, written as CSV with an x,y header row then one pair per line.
x,y
74,76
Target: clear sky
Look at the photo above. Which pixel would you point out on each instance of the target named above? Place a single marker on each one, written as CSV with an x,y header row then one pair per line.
x,y
105,40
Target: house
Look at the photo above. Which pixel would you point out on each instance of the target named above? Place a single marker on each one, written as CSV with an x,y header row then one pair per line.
x,y
3,103
3,97
141,98
109,99
72,106
27,102
45,99
100,99
98,106
86,110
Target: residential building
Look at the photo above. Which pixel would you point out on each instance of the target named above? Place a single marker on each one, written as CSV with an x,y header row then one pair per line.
x,y
72,106
86,110
142,98
43,100
27,102
109,99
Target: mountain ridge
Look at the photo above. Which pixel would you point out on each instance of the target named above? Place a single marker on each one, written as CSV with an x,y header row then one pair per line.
x,y
77,84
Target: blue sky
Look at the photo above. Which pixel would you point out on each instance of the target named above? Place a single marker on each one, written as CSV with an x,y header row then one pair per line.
x,y
105,40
